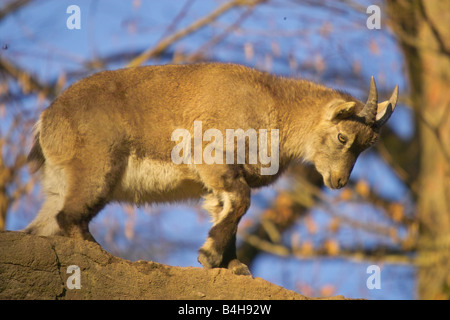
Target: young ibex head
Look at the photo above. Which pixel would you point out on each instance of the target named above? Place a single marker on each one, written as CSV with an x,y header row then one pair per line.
x,y
347,129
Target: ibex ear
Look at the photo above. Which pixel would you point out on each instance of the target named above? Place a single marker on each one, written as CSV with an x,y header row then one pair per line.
x,y
342,110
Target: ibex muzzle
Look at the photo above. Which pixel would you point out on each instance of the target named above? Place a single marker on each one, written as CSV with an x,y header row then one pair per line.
x,y
110,137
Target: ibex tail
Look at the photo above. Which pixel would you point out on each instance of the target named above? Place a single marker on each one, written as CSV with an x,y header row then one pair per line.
x,y
36,158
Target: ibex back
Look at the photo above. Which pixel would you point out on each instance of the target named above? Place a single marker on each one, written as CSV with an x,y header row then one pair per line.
x,y
110,137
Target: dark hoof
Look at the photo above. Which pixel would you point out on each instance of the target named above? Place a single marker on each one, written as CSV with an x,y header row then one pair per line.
x,y
209,259
238,268
75,232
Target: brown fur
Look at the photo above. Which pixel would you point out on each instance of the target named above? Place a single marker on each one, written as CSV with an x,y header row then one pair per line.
x,y
108,138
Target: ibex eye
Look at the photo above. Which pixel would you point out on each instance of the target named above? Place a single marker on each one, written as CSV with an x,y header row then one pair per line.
x,y
342,139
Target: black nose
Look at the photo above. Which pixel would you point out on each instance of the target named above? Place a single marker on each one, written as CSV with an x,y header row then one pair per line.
x,y
341,183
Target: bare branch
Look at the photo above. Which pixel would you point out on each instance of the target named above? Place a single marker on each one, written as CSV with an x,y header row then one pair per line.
x,y
28,82
12,6
380,253
181,14
165,43
217,39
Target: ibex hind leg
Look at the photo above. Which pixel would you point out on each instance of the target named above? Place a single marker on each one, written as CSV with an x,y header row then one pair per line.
x,y
53,185
88,191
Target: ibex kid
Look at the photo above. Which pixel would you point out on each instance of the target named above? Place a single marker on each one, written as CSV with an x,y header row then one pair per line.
x,y
110,137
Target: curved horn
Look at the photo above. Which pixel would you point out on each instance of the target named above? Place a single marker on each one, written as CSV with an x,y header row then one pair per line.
x,y
386,108
369,112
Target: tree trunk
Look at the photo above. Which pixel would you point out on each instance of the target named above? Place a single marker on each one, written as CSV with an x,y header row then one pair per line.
x,y
423,29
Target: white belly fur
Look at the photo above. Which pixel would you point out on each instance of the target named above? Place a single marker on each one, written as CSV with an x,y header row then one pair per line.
x,y
152,181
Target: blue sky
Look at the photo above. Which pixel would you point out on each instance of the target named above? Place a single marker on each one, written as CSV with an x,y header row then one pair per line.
x,y
38,40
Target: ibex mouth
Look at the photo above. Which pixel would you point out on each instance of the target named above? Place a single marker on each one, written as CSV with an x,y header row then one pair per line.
x,y
334,182
338,182
338,185
327,181
330,185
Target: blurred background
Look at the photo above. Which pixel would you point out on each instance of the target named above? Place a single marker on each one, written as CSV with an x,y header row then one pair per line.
x,y
395,212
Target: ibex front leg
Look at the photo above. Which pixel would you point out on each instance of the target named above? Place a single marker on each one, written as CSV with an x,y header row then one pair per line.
x,y
227,202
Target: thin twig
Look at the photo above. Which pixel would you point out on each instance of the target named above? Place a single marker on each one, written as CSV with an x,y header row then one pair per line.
x,y
384,254
165,43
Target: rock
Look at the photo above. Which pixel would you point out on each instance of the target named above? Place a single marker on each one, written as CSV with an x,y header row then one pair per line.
x,y
33,267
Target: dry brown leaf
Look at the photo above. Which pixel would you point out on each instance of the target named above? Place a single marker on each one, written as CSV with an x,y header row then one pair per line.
x,y
306,248
249,51
275,48
397,211
373,46
311,225
334,225
327,290
363,188
346,194
331,247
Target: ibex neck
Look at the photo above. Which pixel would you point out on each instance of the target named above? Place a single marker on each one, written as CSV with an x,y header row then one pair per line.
x,y
300,105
